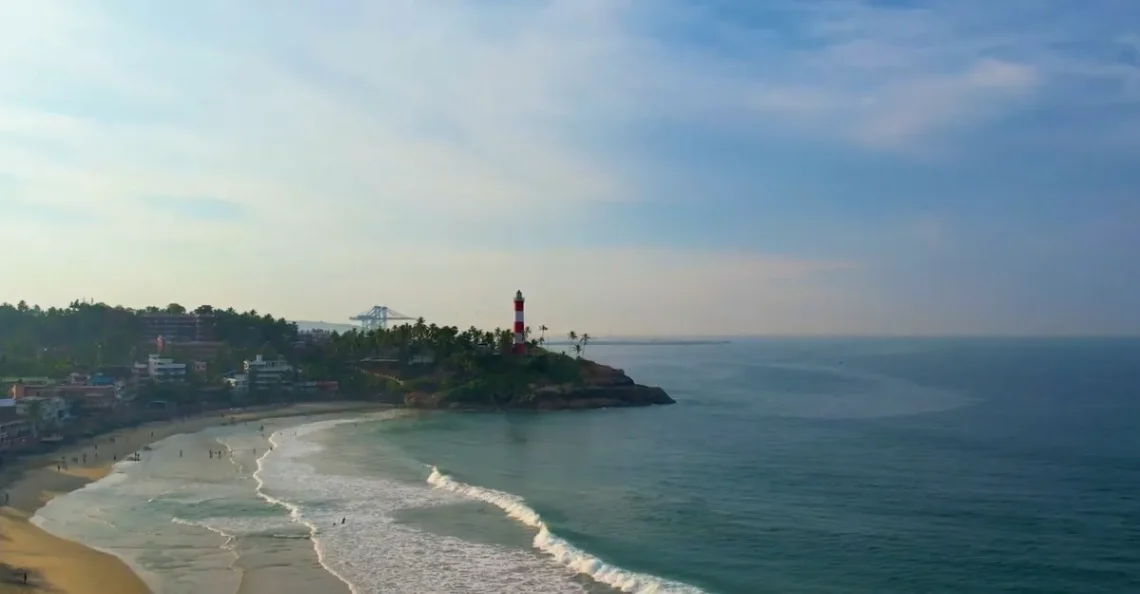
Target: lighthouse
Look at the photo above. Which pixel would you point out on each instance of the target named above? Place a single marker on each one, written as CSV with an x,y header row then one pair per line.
x,y
519,347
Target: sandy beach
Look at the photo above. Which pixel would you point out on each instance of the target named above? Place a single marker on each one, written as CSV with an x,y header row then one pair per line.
x,y
53,564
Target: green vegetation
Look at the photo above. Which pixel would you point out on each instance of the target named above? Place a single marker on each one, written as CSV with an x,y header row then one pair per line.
x,y
86,336
464,366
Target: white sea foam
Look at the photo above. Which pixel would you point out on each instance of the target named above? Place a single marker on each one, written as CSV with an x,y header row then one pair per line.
x,y
200,503
118,515
371,552
565,553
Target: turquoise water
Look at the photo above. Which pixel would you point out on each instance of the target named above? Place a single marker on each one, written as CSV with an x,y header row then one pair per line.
x,y
790,466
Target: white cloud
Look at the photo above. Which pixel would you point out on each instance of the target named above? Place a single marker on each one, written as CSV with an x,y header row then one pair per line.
x,y
343,130
910,111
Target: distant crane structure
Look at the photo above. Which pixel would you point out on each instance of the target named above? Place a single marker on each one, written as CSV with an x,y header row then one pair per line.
x,y
379,316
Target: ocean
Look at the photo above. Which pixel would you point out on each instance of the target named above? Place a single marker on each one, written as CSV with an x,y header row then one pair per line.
x,y
790,466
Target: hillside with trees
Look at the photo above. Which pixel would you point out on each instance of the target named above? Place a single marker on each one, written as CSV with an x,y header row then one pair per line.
x,y
425,365
86,336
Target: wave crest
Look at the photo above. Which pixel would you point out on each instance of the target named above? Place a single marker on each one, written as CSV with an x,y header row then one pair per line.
x,y
557,547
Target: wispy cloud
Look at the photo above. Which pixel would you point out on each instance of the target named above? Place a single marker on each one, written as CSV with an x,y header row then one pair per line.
x,y
409,125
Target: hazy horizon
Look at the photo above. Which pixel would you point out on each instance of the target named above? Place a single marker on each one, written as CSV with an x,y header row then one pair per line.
x,y
666,168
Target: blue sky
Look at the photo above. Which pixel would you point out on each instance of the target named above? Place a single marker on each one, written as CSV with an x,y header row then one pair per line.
x,y
634,166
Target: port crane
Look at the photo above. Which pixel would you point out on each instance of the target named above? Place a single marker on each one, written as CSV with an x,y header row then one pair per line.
x,y
379,316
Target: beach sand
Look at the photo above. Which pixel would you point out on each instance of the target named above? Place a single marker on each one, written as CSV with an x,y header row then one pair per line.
x,y
60,566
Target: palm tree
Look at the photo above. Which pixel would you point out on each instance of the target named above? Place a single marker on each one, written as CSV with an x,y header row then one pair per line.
x,y
585,340
542,331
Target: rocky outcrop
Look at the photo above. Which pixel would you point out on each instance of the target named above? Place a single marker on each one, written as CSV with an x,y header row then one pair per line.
x,y
600,386
573,397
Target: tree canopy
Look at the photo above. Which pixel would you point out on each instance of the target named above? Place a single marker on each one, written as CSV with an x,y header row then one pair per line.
x,y
37,341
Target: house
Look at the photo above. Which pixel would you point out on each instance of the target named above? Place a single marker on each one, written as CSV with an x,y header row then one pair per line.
x,y
52,409
15,431
267,374
101,380
237,383
78,379
21,389
90,397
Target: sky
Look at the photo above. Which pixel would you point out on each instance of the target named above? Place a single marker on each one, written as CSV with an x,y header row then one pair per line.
x,y
635,167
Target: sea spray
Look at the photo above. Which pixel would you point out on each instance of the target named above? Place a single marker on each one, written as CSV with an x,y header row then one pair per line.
x,y
562,551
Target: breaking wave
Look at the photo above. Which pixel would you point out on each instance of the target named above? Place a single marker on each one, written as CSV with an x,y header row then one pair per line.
x,y
565,553
353,527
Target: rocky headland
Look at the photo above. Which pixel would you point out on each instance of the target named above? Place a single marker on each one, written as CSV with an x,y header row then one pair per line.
x,y
594,386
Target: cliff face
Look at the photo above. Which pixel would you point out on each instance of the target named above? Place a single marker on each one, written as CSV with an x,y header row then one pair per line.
x,y
600,386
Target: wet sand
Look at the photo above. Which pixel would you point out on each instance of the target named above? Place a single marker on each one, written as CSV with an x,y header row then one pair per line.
x,y
60,566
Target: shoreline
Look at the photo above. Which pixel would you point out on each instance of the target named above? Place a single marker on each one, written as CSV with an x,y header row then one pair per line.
x,y
61,566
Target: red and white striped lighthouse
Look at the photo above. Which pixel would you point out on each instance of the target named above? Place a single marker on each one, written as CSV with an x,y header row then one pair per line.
x,y
520,340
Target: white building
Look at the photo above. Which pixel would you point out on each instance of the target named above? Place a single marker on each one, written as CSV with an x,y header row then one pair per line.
x,y
264,374
53,409
161,369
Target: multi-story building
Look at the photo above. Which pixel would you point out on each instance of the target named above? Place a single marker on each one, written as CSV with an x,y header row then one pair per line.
x,y
22,389
15,431
162,370
267,375
52,409
90,397
186,327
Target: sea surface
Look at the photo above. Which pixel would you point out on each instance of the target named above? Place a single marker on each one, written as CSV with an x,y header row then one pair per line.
x,y
787,466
